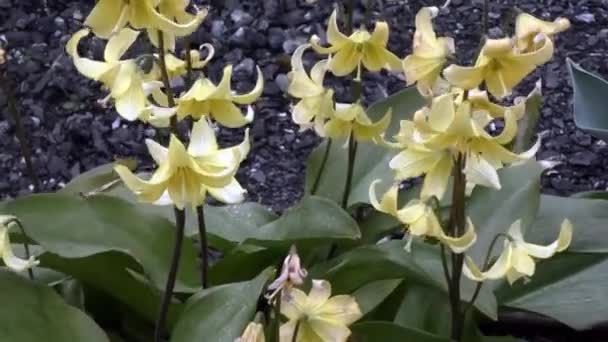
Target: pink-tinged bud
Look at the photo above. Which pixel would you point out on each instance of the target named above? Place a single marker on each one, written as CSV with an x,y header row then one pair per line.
x,y
292,273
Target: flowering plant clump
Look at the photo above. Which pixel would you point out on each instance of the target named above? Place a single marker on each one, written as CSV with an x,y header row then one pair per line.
x,y
421,218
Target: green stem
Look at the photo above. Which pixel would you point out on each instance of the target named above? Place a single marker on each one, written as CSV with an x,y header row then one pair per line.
x,y
352,153
166,82
296,330
202,232
350,9
315,185
277,316
189,75
180,222
20,131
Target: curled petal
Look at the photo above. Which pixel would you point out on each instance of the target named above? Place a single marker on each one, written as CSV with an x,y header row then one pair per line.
x,y
461,244
106,17
334,36
202,140
465,77
232,193
365,132
89,68
254,94
119,44
388,204
479,171
498,270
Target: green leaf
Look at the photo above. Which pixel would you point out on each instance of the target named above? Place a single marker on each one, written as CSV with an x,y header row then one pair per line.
x,y
370,295
221,313
588,216
242,263
34,312
590,101
569,287
424,308
389,260
371,162
97,179
73,226
493,211
528,124
390,332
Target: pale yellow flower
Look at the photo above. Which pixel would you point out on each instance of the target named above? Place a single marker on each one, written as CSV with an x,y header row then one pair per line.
x,y
527,27
174,10
319,318
420,219
517,259
6,250
429,53
349,118
253,333
177,67
316,103
186,176
360,47
500,65
129,87
110,16
218,102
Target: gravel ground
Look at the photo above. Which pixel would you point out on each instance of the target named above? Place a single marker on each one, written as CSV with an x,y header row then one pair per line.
x,y
72,133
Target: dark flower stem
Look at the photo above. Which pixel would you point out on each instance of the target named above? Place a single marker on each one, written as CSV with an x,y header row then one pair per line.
x,y
277,316
180,215
296,330
202,232
26,150
315,185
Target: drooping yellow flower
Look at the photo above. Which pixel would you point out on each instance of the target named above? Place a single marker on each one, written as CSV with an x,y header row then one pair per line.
x,y
253,333
8,257
319,317
185,176
517,258
349,118
129,87
110,16
174,10
177,67
420,219
359,47
448,128
500,65
429,53
527,27
218,102
316,103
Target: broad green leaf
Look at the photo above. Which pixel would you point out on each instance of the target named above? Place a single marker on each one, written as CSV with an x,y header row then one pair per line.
x,y
370,295
390,332
242,263
109,273
528,124
389,260
588,216
98,179
424,308
493,211
371,162
221,313
73,226
233,223
34,312
590,101
569,287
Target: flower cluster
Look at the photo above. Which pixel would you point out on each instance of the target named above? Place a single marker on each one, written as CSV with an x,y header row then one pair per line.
x,y
451,135
141,90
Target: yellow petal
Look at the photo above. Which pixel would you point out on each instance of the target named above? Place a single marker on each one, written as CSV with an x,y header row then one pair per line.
x,y
414,162
326,330
293,303
119,44
542,252
159,153
413,212
527,27
498,270
202,139
346,60
168,39
422,69
254,94
229,115
334,36
436,179
89,68
388,204
522,262
105,17
232,193
163,23
365,132
131,103
222,91
442,113
465,77
461,244
479,171
300,85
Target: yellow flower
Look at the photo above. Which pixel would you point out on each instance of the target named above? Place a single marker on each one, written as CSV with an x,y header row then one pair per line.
x,y
359,47
319,318
500,65
429,53
517,259
8,257
253,333
316,104
206,99
448,128
177,67
174,10
349,118
420,219
527,27
128,86
185,176
110,16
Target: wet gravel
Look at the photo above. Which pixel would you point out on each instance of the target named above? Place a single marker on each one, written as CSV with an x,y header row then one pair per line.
x,y
72,133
